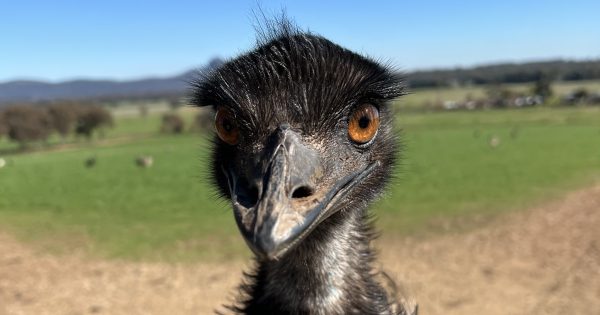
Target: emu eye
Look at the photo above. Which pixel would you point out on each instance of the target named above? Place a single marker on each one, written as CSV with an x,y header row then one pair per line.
x,y
226,127
363,123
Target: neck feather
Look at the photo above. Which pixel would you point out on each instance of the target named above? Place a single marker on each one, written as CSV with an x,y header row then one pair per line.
x,y
328,273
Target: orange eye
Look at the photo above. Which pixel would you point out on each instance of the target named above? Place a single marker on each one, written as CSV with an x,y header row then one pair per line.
x,y
226,127
363,123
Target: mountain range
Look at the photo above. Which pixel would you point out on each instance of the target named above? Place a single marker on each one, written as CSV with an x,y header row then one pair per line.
x,y
35,91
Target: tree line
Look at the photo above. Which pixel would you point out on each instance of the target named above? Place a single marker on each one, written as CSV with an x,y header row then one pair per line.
x,y
508,73
26,123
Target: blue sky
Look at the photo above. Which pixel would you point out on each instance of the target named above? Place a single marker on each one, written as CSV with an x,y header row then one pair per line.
x,y
60,40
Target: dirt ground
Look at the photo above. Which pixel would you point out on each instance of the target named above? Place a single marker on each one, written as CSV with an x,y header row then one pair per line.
x,y
542,261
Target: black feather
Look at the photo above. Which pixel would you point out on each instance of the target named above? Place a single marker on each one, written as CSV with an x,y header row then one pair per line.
x,y
304,80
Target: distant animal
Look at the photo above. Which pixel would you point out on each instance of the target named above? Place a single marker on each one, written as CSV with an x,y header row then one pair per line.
x,y
2,162
144,161
494,142
90,162
304,142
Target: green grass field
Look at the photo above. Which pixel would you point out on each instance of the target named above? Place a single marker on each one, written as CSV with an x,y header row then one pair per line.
x,y
169,212
450,169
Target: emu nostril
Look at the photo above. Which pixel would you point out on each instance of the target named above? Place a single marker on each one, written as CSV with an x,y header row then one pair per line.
x,y
302,192
253,195
248,198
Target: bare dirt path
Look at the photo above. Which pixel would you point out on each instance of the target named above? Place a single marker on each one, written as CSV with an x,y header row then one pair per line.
x,y
542,261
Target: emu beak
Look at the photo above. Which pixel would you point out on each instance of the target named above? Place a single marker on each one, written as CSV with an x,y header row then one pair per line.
x,y
288,205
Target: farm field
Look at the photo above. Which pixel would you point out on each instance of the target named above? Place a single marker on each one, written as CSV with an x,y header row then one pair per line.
x,y
451,178
158,159
537,261
418,98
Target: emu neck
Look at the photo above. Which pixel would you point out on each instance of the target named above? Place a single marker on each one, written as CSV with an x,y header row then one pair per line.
x,y
328,273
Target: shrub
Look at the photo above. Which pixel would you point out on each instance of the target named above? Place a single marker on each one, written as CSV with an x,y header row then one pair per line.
x,y
172,123
91,118
498,96
63,117
25,124
203,121
542,87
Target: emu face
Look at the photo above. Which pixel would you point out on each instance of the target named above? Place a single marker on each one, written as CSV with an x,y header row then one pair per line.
x,y
303,131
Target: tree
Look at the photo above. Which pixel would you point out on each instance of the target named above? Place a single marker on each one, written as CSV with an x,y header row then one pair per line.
x,y
498,96
63,117
25,124
581,94
542,87
172,123
91,118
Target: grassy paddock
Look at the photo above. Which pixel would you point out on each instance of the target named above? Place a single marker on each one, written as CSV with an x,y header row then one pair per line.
x,y
450,170
169,212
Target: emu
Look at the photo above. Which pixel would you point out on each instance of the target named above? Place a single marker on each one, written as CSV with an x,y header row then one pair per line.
x,y
304,142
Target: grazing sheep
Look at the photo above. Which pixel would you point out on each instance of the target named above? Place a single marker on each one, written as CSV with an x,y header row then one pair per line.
x,y
144,161
494,142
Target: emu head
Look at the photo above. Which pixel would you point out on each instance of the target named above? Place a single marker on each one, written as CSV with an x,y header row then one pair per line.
x,y
303,131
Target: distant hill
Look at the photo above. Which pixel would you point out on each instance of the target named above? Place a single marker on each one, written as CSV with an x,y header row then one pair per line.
x,y
34,91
